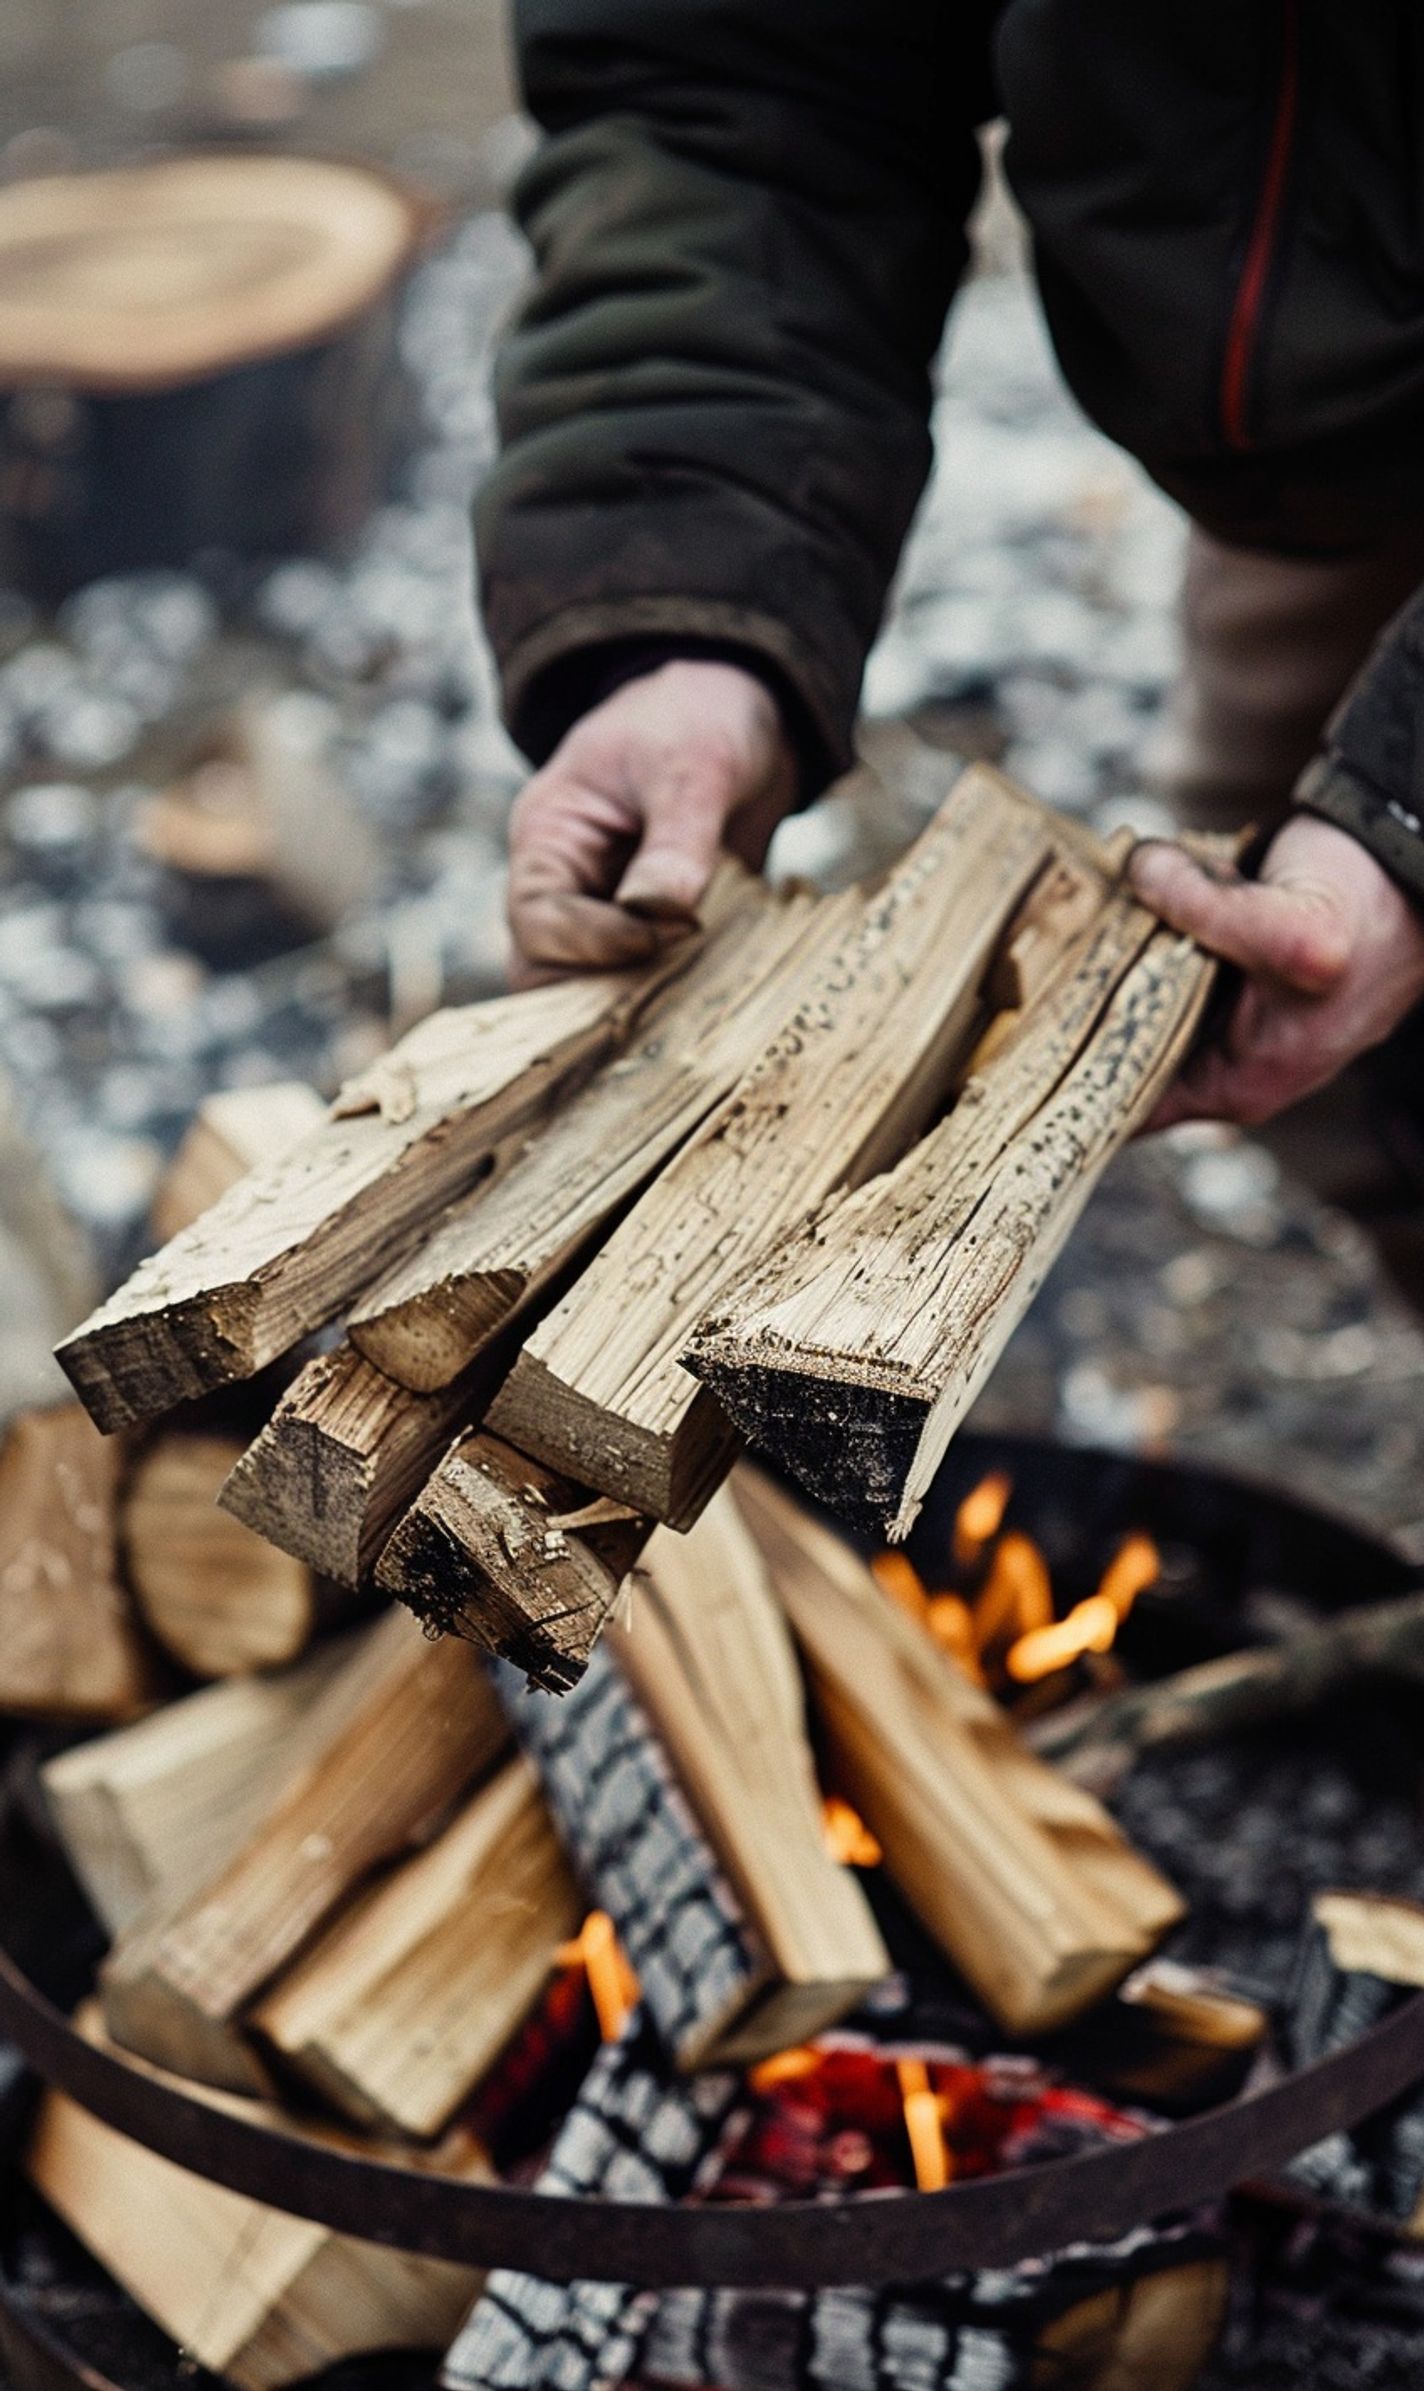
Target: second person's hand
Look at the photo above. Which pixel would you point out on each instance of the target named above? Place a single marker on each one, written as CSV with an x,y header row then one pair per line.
x,y
613,842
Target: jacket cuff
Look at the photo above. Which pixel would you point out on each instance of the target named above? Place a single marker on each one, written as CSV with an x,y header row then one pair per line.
x,y
567,663
1392,831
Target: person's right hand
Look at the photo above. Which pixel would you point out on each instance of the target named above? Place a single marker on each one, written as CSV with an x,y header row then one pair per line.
x,y
612,844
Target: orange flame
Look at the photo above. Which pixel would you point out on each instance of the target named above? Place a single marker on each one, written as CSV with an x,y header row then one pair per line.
x,y
1090,1626
924,2124
1134,1567
896,1575
951,1623
848,1838
784,2067
980,1516
1019,1595
612,1986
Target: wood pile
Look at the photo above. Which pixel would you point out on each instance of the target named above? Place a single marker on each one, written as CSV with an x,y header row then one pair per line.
x,y
796,1181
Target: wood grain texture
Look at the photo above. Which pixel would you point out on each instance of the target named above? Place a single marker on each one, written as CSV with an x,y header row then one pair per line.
x,y
234,1131
150,1811
70,1644
488,1259
599,1391
289,1245
519,1560
1023,1879
421,1724
861,1345
708,1652
343,1454
406,2002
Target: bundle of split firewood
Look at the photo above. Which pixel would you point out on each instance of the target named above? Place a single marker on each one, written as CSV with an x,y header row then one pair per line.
x,y
798,1182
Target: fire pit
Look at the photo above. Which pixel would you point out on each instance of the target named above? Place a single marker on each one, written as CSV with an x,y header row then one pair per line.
x,y
1238,1563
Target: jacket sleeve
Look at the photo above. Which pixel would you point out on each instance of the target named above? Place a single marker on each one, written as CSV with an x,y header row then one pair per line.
x,y
748,221
1369,777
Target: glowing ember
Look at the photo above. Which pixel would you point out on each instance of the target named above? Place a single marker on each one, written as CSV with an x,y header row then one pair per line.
x,y
980,1516
924,2125
1018,1597
848,1838
897,1576
612,1985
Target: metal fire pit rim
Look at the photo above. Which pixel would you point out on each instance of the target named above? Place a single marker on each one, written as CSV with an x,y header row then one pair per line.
x,y
869,2238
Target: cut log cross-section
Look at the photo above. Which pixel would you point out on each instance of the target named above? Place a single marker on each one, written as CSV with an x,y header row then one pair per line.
x,y
1022,1877
862,1346
599,1391
425,1725
491,1257
70,1644
343,1454
403,2005
710,1657
289,1245
513,1556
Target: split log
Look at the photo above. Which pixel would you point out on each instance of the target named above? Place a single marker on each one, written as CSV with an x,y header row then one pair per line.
x,y
1022,1878
70,1646
1096,1744
708,1984
423,1726
1172,2037
218,1598
1361,1955
149,1812
599,1391
290,1244
856,1353
513,1557
234,1131
633,2134
260,2297
196,353
343,1454
709,1655
490,1258
403,2006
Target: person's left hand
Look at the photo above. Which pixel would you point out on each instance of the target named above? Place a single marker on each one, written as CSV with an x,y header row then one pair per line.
x,y
1333,955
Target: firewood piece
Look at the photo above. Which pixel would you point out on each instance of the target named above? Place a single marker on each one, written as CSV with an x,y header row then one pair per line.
x,y
404,2004
1098,1745
70,1646
424,1726
150,1811
709,1655
343,1454
1172,2037
235,1130
489,1258
599,1390
216,1596
290,1244
878,1327
1361,1955
512,1556
1021,1877
258,2296
708,1983
1062,905
636,2134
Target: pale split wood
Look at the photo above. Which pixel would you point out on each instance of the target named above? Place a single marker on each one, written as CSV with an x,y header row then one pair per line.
x,y
70,1645
343,1454
873,1334
501,1550
406,2002
290,1244
416,1724
149,1811
599,1390
255,2295
707,1649
234,1130
490,1258
218,1597
1024,1881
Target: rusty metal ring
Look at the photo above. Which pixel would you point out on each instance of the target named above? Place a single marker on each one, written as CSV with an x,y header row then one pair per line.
x,y
869,2238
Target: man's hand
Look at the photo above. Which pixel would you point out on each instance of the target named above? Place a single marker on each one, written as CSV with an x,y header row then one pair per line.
x,y
613,843
1333,955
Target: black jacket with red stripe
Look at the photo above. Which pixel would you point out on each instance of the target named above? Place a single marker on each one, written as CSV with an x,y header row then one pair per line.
x,y
748,217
